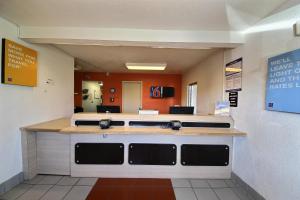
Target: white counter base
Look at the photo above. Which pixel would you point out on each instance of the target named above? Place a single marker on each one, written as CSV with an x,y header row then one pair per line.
x,y
150,171
49,147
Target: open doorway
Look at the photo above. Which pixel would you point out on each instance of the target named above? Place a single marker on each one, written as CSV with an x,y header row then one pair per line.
x,y
91,95
192,96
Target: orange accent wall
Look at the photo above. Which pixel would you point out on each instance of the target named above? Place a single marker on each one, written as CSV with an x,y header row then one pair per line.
x,y
114,80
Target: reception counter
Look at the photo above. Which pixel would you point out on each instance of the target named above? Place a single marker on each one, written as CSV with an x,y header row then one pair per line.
x,y
133,146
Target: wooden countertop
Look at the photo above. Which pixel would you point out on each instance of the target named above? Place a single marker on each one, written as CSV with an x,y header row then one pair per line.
x,y
160,117
63,126
154,131
49,126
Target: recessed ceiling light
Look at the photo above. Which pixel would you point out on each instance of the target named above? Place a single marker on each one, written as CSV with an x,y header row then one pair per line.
x,y
146,66
231,69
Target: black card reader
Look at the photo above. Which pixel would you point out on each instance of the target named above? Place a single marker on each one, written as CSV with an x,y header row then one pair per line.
x,y
175,125
104,123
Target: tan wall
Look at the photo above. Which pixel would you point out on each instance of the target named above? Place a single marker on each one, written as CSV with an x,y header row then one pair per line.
x,y
209,77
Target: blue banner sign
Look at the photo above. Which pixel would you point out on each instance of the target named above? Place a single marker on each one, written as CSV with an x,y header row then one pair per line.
x,y
283,83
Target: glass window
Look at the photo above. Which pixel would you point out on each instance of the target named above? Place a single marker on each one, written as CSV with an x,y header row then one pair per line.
x,y
192,96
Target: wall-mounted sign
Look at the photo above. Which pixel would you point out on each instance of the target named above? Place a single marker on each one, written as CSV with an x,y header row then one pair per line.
x,y
283,83
233,99
156,91
162,92
233,75
19,64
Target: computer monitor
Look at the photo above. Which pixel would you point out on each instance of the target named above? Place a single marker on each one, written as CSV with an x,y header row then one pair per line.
x,y
107,108
78,109
168,92
181,110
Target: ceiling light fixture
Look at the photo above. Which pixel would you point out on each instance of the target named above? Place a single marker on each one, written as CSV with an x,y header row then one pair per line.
x,y
146,66
231,69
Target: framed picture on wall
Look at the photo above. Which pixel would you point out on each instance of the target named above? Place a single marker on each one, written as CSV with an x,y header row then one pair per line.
x,y
283,83
233,75
19,64
156,91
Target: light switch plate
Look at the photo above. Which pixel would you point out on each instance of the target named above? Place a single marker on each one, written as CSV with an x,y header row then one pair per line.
x,y
296,28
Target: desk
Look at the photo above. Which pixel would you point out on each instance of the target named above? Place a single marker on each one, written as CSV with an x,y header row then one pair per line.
x,y
49,147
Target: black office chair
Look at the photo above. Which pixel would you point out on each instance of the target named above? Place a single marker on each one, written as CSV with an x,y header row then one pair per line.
x,y
181,110
78,109
107,108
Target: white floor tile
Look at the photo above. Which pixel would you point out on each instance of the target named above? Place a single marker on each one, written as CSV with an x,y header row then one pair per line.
x,y
184,194
181,183
35,179
226,194
205,194
87,181
78,193
229,183
16,192
199,183
56,193
242,194
215,183
35,193
50,180
67,180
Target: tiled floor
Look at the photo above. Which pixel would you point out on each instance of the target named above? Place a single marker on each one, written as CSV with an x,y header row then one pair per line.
x,y
201,189
44,187
64,187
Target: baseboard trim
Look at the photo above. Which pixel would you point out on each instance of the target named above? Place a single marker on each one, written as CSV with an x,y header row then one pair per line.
x,y
12,182
253,193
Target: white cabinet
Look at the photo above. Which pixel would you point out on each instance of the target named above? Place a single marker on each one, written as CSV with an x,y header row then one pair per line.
x,y
53,153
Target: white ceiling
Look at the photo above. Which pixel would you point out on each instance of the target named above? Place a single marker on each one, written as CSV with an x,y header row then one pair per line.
x,y
139,14
113,59
147,15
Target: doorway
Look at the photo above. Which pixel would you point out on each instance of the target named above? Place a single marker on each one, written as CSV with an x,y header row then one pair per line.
x,y
91,95
192,96
131,96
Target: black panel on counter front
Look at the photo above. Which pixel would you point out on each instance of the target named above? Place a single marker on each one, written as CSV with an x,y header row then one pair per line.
x,y
184,124
148,123
206,124
99,153
152,154
96,123
204,155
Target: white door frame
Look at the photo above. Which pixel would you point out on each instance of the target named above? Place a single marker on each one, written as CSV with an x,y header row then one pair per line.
x,y
141,82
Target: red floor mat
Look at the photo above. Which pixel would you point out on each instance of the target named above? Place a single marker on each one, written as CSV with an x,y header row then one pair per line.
x,y
132,189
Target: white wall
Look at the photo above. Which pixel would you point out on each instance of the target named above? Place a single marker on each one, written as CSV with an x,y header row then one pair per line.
x,y
209,77
21,106
268,159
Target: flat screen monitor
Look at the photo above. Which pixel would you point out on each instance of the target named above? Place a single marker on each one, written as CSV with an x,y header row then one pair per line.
x,y
181,110
168,92
106,108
